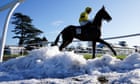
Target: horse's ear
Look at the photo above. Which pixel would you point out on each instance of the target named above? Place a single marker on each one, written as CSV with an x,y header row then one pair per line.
x,y
103,7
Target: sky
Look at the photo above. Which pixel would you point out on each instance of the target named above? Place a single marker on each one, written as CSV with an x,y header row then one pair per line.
x,y
52,16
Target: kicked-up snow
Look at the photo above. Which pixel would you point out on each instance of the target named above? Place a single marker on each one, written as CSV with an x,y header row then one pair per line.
x,y
50,66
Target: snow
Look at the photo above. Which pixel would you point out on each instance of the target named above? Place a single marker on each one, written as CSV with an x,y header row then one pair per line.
x,y
50,66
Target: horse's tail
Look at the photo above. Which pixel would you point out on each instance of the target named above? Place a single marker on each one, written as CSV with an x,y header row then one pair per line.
x,y
56,40
62,32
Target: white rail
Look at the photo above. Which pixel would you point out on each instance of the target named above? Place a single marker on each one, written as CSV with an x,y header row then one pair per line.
x,y
13,5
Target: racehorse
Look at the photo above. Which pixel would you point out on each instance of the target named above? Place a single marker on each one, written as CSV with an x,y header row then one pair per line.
x,y
89,32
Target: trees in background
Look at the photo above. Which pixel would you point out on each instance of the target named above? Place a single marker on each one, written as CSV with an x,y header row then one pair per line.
x,y
25,31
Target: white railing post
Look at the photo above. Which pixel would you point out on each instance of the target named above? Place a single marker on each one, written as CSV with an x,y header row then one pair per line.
x,y
13,5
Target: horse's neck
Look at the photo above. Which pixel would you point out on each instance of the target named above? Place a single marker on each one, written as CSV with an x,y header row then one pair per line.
x,y
97,22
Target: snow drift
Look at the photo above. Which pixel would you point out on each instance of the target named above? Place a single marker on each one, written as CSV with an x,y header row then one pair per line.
x,y
49,62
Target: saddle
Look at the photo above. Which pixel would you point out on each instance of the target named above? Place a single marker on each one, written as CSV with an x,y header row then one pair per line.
x,y
80,28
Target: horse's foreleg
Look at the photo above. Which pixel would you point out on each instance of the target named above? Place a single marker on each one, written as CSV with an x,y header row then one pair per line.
x,y
93,49
103,42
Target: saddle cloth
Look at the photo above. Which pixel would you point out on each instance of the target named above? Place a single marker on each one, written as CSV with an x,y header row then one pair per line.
x,y
78,30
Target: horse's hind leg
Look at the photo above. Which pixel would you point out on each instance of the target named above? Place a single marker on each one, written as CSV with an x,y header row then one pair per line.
x,y
64,44
102,41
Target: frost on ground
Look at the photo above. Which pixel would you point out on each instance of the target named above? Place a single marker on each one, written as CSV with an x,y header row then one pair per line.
x,y
50,66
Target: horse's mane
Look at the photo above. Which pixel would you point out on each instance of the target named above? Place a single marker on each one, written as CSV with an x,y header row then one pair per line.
x,y
97,16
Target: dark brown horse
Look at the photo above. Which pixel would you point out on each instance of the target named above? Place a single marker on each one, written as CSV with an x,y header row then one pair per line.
x,y
89,32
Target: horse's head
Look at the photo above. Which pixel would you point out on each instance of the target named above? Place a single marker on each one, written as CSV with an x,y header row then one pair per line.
x,y
104,14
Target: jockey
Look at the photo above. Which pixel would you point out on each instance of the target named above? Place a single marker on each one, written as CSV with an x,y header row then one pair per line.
x,y
84,16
